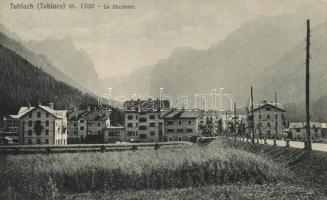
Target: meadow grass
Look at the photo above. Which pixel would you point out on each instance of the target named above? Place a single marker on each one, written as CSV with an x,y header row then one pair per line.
x,y
44,176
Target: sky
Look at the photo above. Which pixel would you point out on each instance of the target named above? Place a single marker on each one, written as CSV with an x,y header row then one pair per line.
x,y
119,41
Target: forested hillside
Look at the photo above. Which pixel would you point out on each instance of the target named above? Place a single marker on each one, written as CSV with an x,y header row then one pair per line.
x,y
22,83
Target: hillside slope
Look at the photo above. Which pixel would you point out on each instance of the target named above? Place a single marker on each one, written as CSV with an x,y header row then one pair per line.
x,y
40,61
73,62
233,64
22,83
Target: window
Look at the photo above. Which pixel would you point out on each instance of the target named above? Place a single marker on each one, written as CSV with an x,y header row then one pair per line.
x,y
152,133
38,141
75,132
98,132
130,133
179,122
99,124
38,127
143,136
170,130
142,119
179,130
47,115
75,124
81,128
29,141
47,132
46,141
142,127
30,115
89,124
189,130
30,123
298,130
179,139
268,116
152,116
268,109
152,124
81,121
30,132
130,125
170,122
268,124
129,117
38,114
47,123
189,122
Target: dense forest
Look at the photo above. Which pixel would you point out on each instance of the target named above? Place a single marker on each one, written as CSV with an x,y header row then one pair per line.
x,y
22,83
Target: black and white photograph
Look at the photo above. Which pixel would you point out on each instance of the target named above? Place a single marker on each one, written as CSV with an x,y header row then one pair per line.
x,y
163,99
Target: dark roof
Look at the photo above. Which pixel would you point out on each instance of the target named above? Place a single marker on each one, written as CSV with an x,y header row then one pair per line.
x,y
146,105
180,114
269,105
93,115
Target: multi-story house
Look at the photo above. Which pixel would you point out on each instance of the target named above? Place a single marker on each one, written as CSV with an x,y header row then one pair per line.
x,y
42,125
86,123
298,130
114,134
9,131
181,125
142,120
269,120
208,122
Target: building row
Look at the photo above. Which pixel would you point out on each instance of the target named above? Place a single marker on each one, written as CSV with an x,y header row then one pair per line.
x,y
147,121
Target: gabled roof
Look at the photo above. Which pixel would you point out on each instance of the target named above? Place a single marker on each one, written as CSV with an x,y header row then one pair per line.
x,y
25,110
278,107
303,125
146,105
93,115
180,114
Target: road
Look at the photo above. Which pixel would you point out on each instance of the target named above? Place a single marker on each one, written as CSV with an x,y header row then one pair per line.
x,y
296,144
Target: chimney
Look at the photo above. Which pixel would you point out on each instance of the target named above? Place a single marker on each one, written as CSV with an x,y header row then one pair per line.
x,y
51,105
29,105
88,108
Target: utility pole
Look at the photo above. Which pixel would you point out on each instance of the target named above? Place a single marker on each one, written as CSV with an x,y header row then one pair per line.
x,y
260,133
226,125
252,115
235,120
308,145
276,116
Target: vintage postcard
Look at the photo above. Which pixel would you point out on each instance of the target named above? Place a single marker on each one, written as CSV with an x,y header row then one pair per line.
x,y
163,99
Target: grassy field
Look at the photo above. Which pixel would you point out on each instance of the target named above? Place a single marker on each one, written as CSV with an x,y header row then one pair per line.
x,y
311,167
49,176
221,192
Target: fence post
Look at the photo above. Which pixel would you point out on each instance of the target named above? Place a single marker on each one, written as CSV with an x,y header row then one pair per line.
x,y
156,146
134,148
287,143
265,141
103,148
48,150
275,142
257,141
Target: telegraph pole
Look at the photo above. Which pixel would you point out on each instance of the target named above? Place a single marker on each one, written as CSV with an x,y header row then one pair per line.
x,y
308,145
260,133
234,120
252,121
276,116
